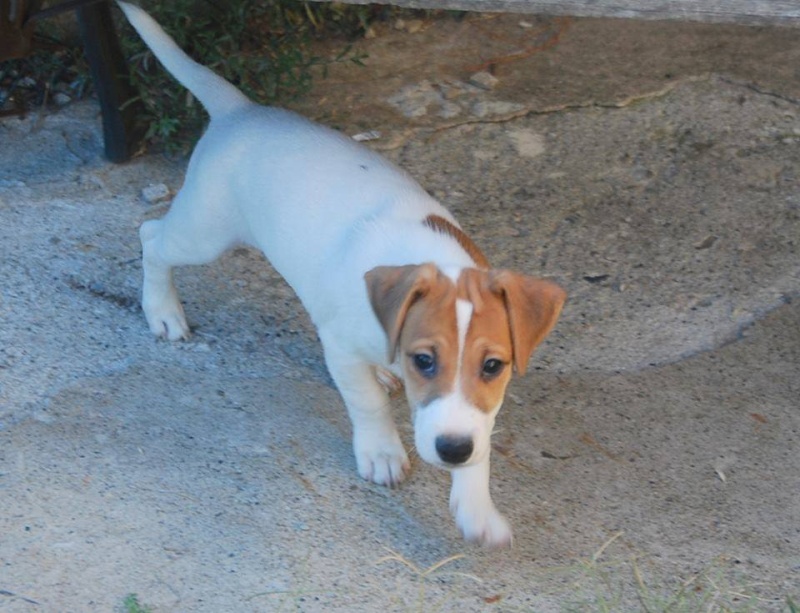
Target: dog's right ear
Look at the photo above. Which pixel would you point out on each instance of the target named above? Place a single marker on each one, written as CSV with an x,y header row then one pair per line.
x,y
392,290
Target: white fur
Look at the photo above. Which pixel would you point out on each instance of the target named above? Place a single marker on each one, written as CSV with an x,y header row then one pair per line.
x,y
464,309
324,210
475,513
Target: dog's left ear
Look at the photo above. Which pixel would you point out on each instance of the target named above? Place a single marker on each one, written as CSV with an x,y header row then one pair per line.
x,y
392,290
533,306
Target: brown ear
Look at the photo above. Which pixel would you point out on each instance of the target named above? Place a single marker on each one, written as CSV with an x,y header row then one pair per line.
x,y
392,290
533,306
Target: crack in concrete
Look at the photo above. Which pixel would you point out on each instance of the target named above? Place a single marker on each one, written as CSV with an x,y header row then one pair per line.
x,y
593,104
402,138
759,90
561,108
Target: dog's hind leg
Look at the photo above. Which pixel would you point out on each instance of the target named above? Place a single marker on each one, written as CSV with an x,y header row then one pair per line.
x,y
184,236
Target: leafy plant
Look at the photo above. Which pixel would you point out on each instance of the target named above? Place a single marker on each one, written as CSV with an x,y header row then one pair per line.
x,y
261,46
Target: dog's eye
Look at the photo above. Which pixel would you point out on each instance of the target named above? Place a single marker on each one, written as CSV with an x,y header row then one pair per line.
x,y
425,364
492,367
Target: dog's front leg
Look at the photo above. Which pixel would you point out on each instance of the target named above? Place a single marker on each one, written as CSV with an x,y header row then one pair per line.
x,y
471,504
380,456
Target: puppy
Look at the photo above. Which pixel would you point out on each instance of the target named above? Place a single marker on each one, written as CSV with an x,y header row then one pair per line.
x,y
394,286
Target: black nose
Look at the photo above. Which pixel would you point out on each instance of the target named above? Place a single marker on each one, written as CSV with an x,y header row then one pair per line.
x,y
454,449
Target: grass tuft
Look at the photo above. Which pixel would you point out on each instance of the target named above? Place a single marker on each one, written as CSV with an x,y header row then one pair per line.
x,y
605,586
131,604
433,575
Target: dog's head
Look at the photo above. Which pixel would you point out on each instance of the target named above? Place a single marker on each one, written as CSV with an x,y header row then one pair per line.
x,y
457,337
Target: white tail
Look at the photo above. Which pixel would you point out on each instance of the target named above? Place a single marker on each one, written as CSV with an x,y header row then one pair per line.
x,y
217,95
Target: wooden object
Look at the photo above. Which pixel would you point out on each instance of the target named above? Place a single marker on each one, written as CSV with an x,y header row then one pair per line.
x,y
749,12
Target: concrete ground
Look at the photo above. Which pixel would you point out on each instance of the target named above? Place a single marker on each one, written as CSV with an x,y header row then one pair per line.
x,y
649,462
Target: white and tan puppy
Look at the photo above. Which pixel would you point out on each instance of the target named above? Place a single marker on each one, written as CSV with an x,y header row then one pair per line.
x,y
394,286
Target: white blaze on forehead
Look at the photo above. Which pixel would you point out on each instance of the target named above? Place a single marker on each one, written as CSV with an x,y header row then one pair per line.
x,y
464,310
452,272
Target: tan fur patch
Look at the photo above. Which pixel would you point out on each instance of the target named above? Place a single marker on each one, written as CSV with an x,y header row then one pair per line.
x,y
488,338
443,226
430,328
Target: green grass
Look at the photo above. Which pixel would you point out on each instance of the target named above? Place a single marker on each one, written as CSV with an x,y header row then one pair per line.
x,y
616,584
601,583
131,604
607,588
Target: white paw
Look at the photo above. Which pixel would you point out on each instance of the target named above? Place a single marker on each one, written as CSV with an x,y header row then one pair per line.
x,y
381,459
166,319
481,523
169,325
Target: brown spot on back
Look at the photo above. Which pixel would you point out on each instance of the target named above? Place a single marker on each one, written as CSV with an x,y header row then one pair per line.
x,y
443,226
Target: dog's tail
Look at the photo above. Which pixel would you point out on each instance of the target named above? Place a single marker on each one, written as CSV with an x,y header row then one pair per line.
x,y
217,95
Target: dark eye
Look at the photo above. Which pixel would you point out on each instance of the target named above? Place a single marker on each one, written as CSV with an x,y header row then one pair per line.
x,y
492,368
425,363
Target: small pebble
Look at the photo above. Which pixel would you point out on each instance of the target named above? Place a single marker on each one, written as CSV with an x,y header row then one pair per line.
x,y
155,192
706,243
61,99
414,26
366,136
484,80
